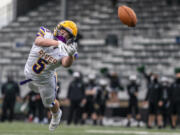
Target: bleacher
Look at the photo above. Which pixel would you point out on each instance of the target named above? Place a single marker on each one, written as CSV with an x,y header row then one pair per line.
x,y
155,21
151,42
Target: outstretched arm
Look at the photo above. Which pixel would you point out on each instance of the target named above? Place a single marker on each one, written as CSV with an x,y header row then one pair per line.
x,y
40,41
71,50
67,61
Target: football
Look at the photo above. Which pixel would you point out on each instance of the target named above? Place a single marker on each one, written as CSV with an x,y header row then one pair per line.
x,y
127,16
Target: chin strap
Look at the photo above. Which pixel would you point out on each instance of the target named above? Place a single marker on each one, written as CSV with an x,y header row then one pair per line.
x,y
61,38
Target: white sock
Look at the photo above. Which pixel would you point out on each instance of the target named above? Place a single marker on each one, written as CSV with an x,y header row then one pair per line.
x,y
55,114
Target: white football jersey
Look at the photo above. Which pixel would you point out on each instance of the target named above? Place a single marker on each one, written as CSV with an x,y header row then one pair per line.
x,y
43,61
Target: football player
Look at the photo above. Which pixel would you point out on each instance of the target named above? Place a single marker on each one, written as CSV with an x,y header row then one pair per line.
x,y
49,51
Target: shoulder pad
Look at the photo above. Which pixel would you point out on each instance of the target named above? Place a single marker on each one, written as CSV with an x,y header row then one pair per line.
x,y
42,31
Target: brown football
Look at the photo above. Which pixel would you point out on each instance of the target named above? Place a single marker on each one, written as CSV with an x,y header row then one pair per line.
x,y
127,16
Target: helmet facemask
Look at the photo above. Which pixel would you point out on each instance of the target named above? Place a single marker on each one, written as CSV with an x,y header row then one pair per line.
x,y
70,28
68,39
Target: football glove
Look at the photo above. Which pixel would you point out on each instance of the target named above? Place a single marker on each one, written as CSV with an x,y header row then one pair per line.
x,y
74,45
69,49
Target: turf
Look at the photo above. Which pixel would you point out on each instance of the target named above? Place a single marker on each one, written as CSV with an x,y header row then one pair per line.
x,y
22,128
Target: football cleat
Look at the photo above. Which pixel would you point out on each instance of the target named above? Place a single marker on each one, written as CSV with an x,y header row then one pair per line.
x,y
55,121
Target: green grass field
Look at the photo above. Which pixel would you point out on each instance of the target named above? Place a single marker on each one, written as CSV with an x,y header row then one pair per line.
x,y
20,128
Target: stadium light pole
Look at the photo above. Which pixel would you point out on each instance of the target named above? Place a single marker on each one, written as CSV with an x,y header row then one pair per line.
x,y
14,9
64,9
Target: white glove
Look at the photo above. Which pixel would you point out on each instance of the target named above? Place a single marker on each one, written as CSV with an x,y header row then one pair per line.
x,y
74,44
69,49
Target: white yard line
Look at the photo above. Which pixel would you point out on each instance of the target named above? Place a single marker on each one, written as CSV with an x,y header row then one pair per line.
x,y
129,132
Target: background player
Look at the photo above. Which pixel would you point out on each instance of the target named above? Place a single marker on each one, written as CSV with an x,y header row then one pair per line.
x,y
49,51
133,89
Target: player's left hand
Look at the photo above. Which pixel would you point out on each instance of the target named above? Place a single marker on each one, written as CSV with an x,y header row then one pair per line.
x,y
69,49
74,45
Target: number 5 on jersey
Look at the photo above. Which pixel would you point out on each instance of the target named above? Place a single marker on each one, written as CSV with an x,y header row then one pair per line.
x,y
39,66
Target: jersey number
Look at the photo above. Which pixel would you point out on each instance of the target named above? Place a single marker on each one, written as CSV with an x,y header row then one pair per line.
x,y
39,66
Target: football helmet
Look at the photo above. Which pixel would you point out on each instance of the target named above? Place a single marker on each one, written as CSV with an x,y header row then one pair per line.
x,y
69,26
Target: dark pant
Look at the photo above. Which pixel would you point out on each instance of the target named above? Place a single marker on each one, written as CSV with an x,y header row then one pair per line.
x,y
175,108
41,110
133,107
8,106
75,112
153,108
37,109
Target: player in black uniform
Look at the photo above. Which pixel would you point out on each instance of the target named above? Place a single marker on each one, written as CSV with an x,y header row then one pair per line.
x,y
175,100
102,96
164,102
90,93
76,95
152,99
10,92
133,100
